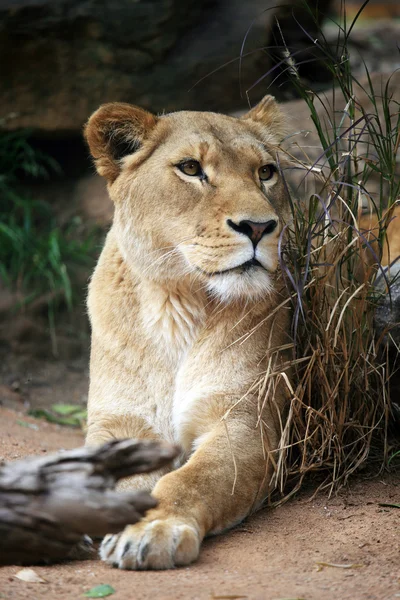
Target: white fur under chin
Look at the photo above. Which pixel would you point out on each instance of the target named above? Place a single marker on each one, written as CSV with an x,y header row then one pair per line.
x,y
251,285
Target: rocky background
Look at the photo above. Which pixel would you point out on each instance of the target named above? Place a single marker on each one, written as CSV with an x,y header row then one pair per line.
x,y
62,58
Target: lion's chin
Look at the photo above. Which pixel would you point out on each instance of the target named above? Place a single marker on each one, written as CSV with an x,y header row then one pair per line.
x,y
251,285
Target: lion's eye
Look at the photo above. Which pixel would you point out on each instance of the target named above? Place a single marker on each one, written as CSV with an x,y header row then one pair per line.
x,y
266,172
191,167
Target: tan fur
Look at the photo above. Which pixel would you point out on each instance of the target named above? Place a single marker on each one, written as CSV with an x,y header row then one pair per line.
x,y
369,227
171,355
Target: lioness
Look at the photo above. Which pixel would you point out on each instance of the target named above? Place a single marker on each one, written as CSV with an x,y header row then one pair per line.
x,y
185,310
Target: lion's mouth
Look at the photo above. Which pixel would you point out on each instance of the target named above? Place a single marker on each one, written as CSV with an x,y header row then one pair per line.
x,y
249,264
243,268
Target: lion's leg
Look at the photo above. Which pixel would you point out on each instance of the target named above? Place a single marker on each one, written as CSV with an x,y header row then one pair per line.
x,y
223,481
113,427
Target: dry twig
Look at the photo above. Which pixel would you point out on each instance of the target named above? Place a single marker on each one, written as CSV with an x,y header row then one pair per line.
x,y
48,504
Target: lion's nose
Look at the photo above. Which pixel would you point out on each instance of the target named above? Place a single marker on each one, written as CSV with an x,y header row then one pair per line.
x,y
255,231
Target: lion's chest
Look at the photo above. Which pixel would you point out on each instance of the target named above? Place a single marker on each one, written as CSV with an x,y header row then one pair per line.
x,y
168,323
171,320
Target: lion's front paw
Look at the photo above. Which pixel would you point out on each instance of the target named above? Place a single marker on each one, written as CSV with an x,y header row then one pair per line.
x,y
158,544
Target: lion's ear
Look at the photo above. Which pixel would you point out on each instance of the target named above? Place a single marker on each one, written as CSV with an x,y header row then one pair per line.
x,y
114,131
268,113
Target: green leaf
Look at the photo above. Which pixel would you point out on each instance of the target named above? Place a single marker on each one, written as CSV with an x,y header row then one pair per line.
x,y
100,591
66,409
40,413
72,420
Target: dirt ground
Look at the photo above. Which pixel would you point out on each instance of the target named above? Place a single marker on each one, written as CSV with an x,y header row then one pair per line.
x,y
278,554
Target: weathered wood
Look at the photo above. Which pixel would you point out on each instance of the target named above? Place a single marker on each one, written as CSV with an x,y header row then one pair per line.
x,y
48,504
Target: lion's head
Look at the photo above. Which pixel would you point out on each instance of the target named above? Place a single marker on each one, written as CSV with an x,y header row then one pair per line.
x,y
196,194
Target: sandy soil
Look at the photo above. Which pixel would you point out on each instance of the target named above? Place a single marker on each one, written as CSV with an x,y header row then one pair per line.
x,y
272,556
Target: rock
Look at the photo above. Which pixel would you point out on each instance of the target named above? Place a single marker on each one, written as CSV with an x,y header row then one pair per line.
x,y
305,145
62,58
91,197
387,314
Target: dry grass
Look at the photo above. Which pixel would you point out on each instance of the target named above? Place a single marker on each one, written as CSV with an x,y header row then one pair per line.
x,y
340,405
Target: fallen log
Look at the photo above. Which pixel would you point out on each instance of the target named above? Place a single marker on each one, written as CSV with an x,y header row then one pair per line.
x,y
47,505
